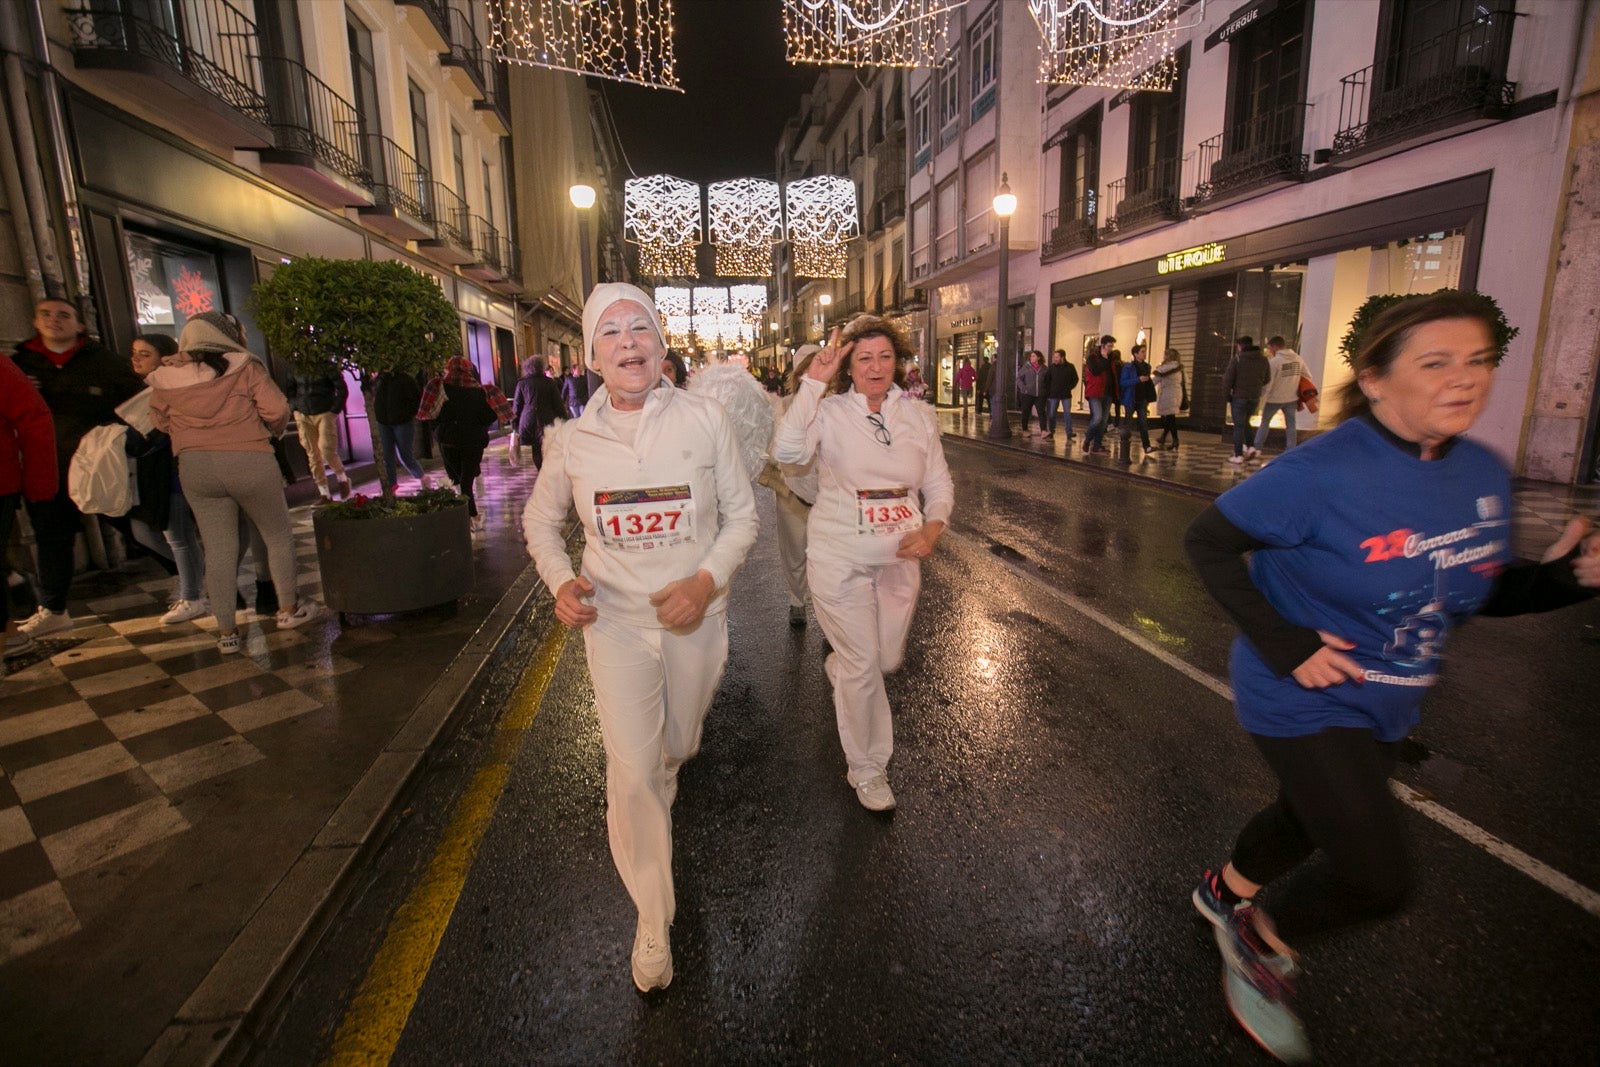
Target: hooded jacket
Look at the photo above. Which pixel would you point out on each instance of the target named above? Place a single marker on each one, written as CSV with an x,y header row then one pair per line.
x,y
240,411
82,393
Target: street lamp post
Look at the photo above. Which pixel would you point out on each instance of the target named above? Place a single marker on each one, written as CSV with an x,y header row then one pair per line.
x,y
582,197
824,301
1005,204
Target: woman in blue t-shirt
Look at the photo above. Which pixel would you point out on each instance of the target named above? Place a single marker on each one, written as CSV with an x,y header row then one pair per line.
x,y
1345,564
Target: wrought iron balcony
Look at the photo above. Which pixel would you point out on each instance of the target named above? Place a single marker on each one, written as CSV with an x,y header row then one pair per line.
x,y
466,54
496,102
451,241
1455,79
1258,153
402,191
195,61
429,19
486,265
1071,227
317,138
888,209
1147,197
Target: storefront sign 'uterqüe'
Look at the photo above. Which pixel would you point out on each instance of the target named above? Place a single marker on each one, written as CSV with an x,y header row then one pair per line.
x,y
1189,258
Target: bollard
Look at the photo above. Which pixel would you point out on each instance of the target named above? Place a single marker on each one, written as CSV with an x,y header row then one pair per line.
x,y
1125,444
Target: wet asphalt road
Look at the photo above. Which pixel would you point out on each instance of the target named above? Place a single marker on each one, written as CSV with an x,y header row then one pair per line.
x,y
1060,790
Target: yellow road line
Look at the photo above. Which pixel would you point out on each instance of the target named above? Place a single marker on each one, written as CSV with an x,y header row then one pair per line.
x,y
376,1016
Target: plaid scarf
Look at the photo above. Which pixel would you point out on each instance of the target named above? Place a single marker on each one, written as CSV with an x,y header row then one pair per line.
x,y
458,370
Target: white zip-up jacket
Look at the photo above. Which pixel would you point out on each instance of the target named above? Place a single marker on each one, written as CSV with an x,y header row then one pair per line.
x,y
851,460
683,440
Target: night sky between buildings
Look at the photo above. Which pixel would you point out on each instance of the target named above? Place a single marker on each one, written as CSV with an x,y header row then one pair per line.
x,y
738,93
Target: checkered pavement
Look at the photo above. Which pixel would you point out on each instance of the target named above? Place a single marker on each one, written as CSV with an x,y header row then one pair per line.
x,y
110,727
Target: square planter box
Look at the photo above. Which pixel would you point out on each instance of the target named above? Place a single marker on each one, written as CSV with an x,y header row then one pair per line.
x,y
396,563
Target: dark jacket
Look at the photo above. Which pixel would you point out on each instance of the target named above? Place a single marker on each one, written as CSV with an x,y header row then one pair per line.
x,y
82,394
465,418
317,394
536,402
575,391
156,475
395,397
1060,379
1246,375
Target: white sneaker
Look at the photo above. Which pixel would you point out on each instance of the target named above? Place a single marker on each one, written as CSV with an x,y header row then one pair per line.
x,y
303,613
1236,460
476,523
185,610
44,621
874,794
652,960
1251,452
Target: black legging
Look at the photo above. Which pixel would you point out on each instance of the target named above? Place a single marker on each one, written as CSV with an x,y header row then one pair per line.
x,y
1334,798
463,463
1169,425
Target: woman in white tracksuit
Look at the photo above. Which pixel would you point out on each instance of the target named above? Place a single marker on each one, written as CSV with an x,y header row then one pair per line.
x,y
668,516
794,490
884,496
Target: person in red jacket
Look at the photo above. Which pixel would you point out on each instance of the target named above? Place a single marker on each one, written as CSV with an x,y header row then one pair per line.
x,y
27,470
1096,390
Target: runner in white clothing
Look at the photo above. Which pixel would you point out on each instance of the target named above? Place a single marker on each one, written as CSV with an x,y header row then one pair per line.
x,y
884,496
668,516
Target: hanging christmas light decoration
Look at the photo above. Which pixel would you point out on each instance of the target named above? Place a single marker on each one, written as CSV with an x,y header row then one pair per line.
x,y
624,40
710,308
662,214
822,216
674,305
1118,44
745,217
748,302
868,33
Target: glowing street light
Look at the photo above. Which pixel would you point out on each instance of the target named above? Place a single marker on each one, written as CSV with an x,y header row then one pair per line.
x,y
1005,205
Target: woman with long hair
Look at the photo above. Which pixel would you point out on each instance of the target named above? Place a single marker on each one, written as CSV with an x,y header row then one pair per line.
x,y
1346,563
221,410
884,496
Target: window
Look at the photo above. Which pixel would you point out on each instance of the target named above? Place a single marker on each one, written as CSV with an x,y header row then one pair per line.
x,y
1080,169
984,64
421,143
458,159
879,282
1267,62
364,79
1429,39
921,129
946,218
950,92
921,231
1155,136
488,193
981,185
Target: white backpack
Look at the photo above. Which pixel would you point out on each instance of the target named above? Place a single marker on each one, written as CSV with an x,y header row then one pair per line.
x,y
100,479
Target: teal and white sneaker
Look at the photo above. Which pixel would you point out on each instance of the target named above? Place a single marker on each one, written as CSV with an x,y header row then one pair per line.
x,y
1257,983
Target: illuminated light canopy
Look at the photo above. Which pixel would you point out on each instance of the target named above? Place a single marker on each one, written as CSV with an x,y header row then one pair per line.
x,y
868,33
822,216
662,214
710,309
1118,44
674,305
748,302
624,40
746,217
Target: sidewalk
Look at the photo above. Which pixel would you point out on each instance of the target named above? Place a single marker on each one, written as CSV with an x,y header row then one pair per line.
x,y
172,820
1200,467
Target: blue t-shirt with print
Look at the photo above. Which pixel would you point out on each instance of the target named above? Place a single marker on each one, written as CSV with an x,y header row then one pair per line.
x,y
1375,545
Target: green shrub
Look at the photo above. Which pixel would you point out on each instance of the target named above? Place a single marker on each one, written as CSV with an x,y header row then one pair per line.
x,y
1500,328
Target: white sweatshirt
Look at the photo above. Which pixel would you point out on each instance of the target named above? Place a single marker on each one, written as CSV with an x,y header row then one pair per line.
x,y
1283,381
675,501
853,465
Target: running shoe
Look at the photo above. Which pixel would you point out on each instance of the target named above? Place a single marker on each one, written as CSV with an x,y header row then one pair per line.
x,y
303,613
1256,982
44,621
186,610
874,793
652,960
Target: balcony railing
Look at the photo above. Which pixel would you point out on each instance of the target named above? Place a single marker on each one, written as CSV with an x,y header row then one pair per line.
x,y
209,42
465,50
888,207
497,90
1147,194
1454,77
309,117
451,219
486,243
1072,226
435,10
398,180
1260,150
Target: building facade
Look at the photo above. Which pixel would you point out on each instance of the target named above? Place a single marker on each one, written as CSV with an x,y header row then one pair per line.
x,y
172,153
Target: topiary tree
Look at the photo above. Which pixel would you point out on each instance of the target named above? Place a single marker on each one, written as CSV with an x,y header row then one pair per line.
x,y
1499,327
358,315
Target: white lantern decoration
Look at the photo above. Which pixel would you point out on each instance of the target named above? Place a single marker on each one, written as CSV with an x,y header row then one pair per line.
x,y
748,302
624,40
674,305
1119,44
746,217
662,214
822,216
868,33
710,307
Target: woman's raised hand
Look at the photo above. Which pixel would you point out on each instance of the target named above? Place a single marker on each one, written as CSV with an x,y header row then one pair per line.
x,y
824,363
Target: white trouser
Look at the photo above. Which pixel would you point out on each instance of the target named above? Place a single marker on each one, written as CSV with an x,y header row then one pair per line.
x,y
865,611
652,689
793,514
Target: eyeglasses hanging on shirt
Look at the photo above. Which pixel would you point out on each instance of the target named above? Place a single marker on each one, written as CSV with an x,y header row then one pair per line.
x,y
880,429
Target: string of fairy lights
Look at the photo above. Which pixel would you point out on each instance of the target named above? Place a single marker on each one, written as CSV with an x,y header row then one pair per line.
x,y
711,316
